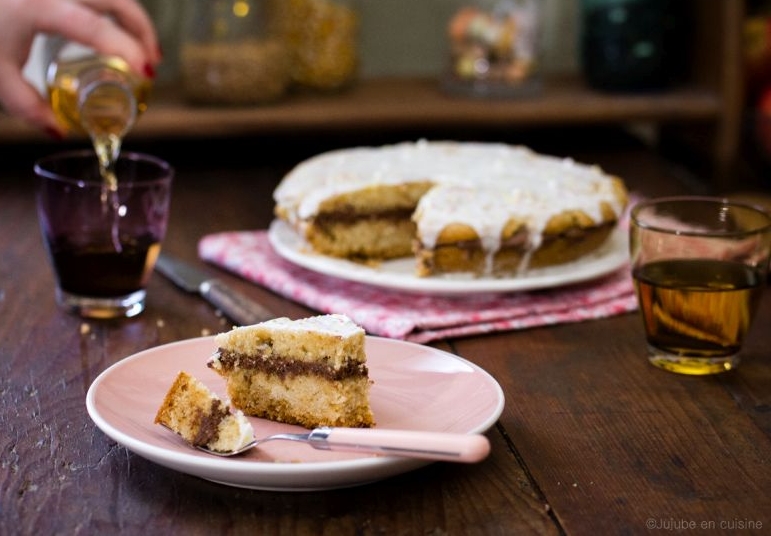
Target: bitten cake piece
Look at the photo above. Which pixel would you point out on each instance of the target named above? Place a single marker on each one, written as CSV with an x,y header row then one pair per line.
x,y
310,372
194,412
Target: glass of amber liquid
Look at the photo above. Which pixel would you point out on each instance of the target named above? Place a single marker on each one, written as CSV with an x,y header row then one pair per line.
x,y
699,266
102,241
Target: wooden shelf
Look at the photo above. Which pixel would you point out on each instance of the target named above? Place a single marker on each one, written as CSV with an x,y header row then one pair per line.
x,y
409,103
706,109
394,103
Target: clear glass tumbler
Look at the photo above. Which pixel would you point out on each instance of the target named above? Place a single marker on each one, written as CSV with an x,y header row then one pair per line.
x,y
102,241
699,265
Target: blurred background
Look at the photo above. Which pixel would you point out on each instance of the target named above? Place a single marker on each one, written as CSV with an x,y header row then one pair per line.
x,y
689,78
403,37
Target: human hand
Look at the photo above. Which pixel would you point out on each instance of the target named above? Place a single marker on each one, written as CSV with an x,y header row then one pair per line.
x,y
111,27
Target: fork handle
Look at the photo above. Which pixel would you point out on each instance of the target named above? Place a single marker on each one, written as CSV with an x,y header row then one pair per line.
x,y
441,446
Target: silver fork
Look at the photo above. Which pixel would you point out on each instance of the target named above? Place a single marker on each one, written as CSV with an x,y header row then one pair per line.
x,y
439,446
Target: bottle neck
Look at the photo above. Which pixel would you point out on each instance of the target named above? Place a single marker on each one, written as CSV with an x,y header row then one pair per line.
x,y
106,102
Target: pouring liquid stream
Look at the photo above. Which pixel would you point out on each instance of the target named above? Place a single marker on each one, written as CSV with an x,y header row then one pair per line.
x,y
106,114
100,97
107,149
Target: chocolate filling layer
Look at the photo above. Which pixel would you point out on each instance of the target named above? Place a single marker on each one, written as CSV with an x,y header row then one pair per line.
x,y
513,242
287,367
208,429
349,215
518,240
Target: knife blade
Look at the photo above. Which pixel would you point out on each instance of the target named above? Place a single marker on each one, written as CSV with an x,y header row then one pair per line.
x,y
235,306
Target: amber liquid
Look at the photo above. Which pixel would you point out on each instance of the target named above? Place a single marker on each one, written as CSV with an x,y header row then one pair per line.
x,y
104,272
697,308
106,112
99,96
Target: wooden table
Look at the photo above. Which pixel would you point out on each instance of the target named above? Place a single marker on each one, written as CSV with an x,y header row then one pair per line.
x,y
592,439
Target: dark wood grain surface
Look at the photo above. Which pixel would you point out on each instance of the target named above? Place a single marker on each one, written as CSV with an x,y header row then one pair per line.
x,y
592,439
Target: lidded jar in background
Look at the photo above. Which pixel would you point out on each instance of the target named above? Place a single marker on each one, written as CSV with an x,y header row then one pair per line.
x,y
494,48
322,37
231,53
634,45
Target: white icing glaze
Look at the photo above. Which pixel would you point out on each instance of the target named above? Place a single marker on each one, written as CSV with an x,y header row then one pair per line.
x,y
245,430
333,324
481,185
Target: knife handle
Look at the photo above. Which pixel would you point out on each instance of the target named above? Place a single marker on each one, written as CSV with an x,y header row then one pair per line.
x,y
238,308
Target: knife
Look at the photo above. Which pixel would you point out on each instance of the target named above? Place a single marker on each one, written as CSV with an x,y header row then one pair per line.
x,y
238,308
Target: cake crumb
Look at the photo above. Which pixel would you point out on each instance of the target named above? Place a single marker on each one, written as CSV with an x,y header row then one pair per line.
x,y
85,328
160,323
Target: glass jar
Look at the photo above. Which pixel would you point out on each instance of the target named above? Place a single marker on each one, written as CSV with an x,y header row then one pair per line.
x,y
322,37
632,45
494,48
232,54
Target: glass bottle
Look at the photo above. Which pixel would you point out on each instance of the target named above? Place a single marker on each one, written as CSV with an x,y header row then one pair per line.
x,y
96,95
494,48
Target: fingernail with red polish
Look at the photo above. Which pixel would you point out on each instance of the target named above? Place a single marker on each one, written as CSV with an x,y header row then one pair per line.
x,y
149,71
54,133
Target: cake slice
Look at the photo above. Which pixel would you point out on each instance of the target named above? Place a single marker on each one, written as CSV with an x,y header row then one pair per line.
x,y
372,223
503,231
310,372
201,418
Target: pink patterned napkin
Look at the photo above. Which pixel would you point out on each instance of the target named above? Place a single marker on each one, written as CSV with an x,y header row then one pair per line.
x,y
415,317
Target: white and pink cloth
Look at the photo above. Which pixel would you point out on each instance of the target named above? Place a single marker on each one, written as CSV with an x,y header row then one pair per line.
x,y
416,317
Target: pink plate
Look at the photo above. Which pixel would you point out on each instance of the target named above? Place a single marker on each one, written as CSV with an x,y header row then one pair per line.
x,y
415,388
